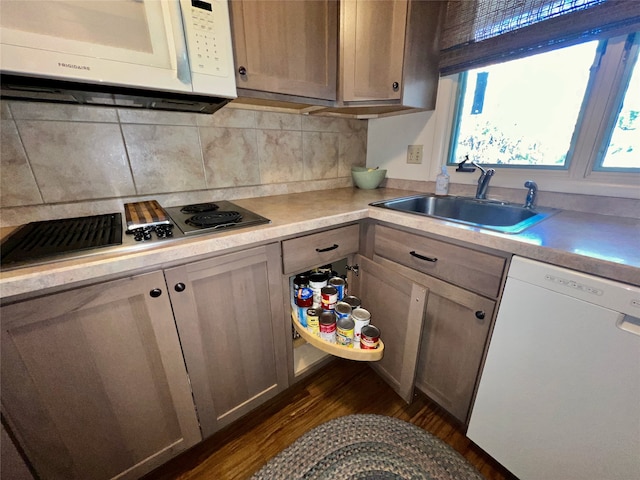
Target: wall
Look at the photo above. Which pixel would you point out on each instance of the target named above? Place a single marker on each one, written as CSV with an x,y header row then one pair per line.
x,y
63,160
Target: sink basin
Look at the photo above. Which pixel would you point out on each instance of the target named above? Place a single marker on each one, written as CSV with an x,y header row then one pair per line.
x,y
489,214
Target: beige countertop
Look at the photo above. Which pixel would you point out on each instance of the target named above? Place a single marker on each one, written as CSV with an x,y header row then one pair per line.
x,y
602,245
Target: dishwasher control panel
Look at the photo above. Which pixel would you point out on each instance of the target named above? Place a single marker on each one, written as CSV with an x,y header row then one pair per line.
x,y
573,284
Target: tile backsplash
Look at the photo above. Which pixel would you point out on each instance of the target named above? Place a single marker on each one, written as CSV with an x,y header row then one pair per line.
x,y
67,160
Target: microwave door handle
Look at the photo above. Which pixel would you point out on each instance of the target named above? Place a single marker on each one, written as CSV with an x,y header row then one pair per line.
x,y
180,43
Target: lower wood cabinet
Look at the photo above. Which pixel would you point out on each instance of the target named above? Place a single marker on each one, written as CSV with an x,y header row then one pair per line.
x,y
457,321
93,380
104,381
454,338
229,311
397,305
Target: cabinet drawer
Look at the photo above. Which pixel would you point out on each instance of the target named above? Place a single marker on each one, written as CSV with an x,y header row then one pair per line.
x,y
477,271
320,248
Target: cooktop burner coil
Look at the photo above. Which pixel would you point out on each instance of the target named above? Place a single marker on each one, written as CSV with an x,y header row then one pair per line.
x,y
214,219
199,208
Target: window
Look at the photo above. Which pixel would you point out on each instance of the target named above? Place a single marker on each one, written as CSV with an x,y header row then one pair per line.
x,y
623,149
543,111
523,112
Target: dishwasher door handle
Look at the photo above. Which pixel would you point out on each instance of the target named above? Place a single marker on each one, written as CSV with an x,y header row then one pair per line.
x,y
629,324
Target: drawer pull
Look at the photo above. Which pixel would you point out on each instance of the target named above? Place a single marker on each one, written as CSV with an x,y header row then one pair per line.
x,y
422,257
328,249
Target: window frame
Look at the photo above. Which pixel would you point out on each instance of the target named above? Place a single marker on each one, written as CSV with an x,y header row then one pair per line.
x,y
599,110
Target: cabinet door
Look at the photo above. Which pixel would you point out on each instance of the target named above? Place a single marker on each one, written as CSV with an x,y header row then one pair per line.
x,y
372,48
93,380
229,315
453,343
287,47
397,307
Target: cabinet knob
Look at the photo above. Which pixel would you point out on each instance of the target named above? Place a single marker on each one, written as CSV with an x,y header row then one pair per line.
x,y
480,315
179,287
395,86
156,292
242,70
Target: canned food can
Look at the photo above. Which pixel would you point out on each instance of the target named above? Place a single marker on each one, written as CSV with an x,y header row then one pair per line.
x,y
344,332
296,283
341,286
327,269
329,297
302,315
316,282
304,297
327,325
343,310
361,317
352,300
294,333
301,281
313,324
370,337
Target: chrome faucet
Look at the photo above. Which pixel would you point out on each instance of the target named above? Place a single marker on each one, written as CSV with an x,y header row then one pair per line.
x,y
483,181
532,193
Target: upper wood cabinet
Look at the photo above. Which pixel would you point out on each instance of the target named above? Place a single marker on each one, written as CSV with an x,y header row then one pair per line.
x,y
372,49
228,310
93,380
286,47
382,55
389,52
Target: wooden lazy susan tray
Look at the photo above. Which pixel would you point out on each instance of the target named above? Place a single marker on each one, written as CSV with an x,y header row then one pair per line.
x,y
334,348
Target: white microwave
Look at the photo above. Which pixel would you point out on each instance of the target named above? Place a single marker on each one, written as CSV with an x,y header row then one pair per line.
x,y
180,48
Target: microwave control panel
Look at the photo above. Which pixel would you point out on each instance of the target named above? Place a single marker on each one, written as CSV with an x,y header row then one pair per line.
x,y
208,37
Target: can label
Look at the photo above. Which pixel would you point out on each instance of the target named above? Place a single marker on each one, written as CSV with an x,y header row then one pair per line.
x,y
329,298
369,338
340,285
343,310
344,332
313,324
302,316
361,318
327,321
316,282
304,297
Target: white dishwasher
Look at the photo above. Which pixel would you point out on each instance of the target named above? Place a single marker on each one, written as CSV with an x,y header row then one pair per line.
x,y
559,396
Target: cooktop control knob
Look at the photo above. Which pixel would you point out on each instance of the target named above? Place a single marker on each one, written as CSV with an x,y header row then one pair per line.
x,y
164,231
143,234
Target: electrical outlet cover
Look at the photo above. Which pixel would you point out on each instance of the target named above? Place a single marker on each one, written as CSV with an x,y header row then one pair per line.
x,y
414,154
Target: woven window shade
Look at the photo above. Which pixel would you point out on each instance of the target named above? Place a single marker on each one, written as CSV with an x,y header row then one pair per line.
x,y
482,32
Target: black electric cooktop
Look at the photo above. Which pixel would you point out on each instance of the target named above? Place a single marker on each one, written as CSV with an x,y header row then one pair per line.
x,y
53,240
212,216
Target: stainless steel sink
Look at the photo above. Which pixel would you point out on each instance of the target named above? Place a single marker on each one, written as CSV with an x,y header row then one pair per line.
x,y
489,214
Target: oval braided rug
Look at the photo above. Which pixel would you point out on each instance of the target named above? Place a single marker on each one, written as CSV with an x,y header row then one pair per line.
x,y
359,447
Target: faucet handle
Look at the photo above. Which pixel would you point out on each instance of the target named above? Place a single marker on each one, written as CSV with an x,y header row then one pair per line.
x,y
463,168
532,192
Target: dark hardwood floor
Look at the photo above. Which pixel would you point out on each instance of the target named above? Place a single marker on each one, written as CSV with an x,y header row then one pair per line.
x,y
341,388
